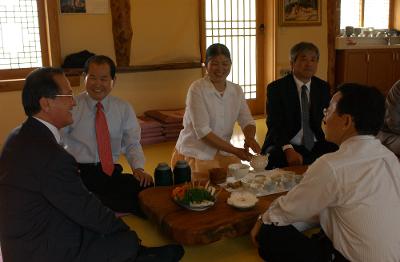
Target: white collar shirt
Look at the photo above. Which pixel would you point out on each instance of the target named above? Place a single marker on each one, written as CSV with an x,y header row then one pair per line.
x,y
354,193
209,111
80,137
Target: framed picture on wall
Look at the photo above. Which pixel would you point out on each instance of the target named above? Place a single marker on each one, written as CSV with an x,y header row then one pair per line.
x,y
299,12
72,6
84,6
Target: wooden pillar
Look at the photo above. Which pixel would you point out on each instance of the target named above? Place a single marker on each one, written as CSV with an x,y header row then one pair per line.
x,y
333,20
122,30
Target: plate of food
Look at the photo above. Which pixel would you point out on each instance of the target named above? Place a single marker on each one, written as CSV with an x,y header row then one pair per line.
x,y
195,198
242,200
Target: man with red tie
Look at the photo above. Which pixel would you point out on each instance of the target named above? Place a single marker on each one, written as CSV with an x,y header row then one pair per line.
x,y
104,127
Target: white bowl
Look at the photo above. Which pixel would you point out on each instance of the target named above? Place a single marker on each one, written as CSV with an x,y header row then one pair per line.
x,y
242,200
259,162
238,171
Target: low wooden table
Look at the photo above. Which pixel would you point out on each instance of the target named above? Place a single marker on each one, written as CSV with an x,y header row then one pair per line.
x,y
191,227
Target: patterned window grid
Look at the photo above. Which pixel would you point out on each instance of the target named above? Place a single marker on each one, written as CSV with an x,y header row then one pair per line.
x,y
233,23
19,34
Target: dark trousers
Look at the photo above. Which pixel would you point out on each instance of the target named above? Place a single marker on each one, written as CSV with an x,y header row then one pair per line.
x,y
125,247
119,246
286,243
277,157
118,192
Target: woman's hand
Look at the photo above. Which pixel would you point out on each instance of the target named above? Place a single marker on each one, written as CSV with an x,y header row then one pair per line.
x,y
243,154
217,142
252,143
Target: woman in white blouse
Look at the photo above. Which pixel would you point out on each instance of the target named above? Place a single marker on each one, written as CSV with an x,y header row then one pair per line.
x,y
213,105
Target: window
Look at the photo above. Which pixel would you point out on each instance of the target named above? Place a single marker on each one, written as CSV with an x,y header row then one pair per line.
x,y
233,23
364,13
19,35
28,39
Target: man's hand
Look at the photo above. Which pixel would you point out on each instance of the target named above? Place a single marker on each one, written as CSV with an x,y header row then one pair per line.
x,y
254,232
252,143
293,158
144,178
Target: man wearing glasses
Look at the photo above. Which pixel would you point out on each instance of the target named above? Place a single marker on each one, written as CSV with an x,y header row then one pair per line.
x,y
46,213
354,193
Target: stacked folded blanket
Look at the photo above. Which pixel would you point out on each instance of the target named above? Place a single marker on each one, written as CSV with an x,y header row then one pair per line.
x,y
167,116
166,122
171,131
152,131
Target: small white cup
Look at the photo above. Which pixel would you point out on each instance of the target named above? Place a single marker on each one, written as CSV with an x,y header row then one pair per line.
x,y
238,171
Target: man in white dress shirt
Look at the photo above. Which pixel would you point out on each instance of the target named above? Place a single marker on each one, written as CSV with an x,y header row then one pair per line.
x,y
353,193
115,189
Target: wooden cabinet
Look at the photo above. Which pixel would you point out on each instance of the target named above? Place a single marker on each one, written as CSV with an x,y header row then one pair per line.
x,y
351,66
374,67
380,69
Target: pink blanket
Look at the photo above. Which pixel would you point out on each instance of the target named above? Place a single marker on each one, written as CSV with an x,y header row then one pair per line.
x,y
172,135
148,123
172,131
166,116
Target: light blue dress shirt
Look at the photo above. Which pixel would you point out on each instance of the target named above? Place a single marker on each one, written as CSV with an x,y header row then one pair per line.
x,y
80,137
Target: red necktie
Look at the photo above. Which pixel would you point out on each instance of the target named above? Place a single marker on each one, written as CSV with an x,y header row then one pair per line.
x,y
103,141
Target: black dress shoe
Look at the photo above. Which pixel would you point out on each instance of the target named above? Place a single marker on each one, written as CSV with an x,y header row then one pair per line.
x,y
167,253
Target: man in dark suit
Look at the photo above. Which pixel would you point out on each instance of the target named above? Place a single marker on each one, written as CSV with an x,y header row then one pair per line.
x,y
46,213
295,110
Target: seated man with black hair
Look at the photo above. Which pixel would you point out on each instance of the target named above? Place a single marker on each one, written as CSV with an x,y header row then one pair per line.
x,y
105,127
354,193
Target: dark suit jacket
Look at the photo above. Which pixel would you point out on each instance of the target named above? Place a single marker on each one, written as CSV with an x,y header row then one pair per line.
x,y
284,111
45,211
